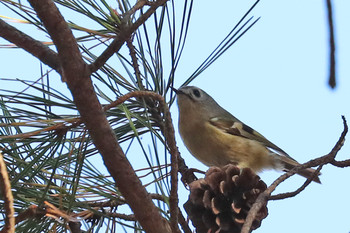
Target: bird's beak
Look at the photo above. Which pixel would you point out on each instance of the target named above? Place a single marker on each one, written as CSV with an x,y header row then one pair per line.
x,y
175,90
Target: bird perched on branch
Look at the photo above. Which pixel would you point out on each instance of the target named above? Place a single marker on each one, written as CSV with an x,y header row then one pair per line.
x,y
217,138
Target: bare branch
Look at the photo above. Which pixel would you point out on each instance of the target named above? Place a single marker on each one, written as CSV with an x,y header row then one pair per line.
x,y
299,190
32,46
183,223
344,163
264,197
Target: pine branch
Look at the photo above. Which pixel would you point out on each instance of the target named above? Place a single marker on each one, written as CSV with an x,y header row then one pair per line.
x,y
170,138
124,34
32,46
5,187
77,75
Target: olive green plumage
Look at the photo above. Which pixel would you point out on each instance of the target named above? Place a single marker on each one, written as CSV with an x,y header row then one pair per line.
x,y
217,138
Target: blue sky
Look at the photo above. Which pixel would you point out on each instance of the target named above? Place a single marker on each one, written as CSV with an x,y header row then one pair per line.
x,y
275,80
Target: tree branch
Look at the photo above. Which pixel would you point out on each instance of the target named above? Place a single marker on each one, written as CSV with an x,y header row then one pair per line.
x,y
32,46
5,187
134,63
183,223
264,197
169,135
344,163
50,211
77,75
173,199
299,190
124,34
32,212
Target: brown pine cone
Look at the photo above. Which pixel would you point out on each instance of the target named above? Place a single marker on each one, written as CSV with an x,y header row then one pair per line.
x,y
221,201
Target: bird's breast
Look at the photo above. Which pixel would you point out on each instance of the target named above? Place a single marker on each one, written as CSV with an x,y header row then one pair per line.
x,y
214,147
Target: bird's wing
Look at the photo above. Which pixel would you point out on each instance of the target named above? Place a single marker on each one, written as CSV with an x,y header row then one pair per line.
x,y
235,127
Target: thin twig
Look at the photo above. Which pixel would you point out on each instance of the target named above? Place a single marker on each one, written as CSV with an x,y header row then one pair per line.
x,y
94,213
86,214
299,190
109,51
56,127
158,197
32,212
183,223
138,5
332,65
49,211
101,204
5,187
263,197
117,202
126,217
135,65
344,163
173,199
55,213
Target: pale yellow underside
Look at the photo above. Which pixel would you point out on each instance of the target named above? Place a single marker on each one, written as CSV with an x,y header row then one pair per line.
x,y
214,147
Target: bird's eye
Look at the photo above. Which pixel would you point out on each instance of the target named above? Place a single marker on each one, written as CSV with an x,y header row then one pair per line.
x,y
196,93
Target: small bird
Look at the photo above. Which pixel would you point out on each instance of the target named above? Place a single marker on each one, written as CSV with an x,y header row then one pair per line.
x,y
217,138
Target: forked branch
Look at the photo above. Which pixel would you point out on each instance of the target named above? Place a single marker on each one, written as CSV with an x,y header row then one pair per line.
x,y
321,161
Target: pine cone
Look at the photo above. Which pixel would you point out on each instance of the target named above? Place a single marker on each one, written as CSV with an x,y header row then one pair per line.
x,y
221,201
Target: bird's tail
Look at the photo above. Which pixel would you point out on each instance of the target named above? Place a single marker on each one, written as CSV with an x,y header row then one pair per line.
x,y
289,164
